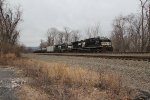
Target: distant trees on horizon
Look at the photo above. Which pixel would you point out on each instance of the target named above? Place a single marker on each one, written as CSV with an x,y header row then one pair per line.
x,y
68,35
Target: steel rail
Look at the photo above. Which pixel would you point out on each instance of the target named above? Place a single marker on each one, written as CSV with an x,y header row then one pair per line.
x,y
124,57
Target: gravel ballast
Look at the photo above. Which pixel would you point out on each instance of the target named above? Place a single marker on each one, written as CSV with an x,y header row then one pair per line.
x,y
134,74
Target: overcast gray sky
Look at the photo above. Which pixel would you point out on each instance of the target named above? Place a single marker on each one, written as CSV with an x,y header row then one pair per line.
x,y
39,15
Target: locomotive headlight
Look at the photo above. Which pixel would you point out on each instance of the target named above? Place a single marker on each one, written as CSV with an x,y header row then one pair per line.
x,y
105,43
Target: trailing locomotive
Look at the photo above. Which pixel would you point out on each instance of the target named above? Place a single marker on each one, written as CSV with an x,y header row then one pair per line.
x,y
98,44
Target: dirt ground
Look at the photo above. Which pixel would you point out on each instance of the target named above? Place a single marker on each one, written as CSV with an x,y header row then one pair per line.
x,y
9,81
134,74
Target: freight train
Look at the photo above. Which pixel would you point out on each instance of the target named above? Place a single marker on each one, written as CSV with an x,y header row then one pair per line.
x,y
91,45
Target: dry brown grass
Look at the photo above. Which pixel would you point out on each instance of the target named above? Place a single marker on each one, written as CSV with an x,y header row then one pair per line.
x,y
70,83
27,92
62,73
6,58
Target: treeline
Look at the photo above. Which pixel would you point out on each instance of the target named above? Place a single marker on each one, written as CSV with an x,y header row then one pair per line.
x,y
9,20
132,33
55,36
68,35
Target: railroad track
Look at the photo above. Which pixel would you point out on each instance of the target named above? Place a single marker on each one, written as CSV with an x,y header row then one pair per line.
x,y
127,53
106,56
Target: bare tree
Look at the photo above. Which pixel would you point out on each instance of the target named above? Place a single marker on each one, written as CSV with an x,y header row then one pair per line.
x,y
60,37
134,32
9,20
75,35
88,32
143,3
93,31
67,34
96,30
43,44
118,34
148,24
51,35
127,36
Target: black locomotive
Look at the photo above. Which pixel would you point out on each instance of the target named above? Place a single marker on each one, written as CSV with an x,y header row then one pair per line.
x,y
98,44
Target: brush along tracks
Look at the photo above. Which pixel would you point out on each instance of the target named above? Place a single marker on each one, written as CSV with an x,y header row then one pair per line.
x,y
138,57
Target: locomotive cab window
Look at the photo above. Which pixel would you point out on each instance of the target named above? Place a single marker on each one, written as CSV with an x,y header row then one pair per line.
x,y
105,43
